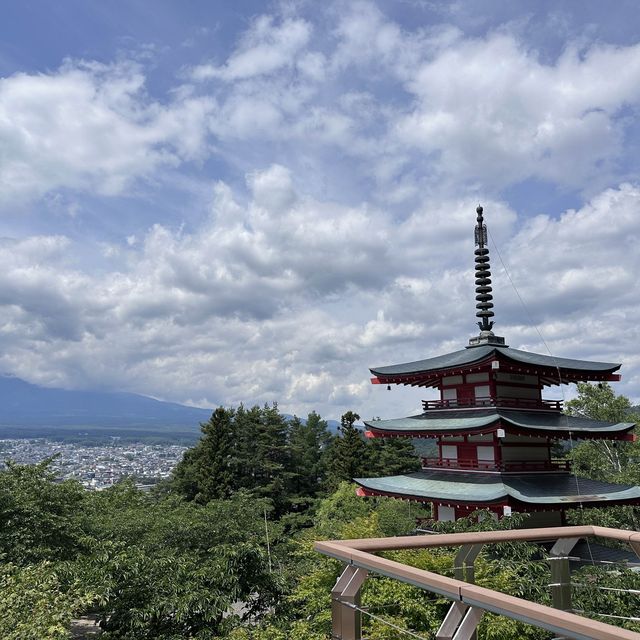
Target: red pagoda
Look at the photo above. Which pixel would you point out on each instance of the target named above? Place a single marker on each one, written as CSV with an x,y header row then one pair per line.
x,y
493,428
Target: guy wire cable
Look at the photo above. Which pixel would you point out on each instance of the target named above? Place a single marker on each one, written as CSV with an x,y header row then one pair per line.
x,y
533,324
413,634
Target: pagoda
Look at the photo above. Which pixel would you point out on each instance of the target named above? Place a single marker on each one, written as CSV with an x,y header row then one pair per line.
x,y
493,429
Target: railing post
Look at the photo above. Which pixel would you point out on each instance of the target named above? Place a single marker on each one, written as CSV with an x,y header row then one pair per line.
x,y
464,562
561,573
461,621
346,619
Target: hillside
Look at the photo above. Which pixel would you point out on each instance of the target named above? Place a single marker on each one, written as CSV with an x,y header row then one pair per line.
x,y
29,410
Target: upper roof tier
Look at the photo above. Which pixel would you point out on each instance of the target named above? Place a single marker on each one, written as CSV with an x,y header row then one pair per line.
x,y
553,370
488,351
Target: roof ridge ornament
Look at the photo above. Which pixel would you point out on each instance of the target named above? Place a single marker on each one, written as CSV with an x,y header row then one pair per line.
x,y
484,296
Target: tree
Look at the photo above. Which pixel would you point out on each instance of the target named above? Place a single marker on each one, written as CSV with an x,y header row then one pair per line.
x,y
39,517
206,471
273,458
309,442
167,568
217,476
391,456
34,602
348,454
603,459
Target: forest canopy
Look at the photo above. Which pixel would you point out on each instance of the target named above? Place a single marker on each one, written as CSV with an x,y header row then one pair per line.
x,y
224,548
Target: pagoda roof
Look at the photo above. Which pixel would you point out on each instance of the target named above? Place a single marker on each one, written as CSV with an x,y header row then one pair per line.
x,y
476,420
559,489
480,353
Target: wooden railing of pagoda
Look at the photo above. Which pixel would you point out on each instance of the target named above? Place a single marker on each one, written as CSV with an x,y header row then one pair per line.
x,y
469,602
508,403
489,465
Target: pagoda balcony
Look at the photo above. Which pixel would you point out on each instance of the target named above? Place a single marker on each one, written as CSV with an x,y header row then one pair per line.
x,y
522,466
509,403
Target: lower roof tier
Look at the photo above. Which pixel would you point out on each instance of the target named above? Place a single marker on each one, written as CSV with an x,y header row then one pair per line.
x,y
541,423
557,490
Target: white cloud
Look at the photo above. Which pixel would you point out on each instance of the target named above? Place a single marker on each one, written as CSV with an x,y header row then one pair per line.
x,y
92,127
493,111
266,47
346,156
290,299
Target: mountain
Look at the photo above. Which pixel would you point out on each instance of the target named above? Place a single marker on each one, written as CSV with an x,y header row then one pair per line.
x,y
29,410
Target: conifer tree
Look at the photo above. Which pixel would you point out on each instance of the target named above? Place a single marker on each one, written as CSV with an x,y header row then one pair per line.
x,y
206,472
273,475
215,476
391,456
245,458
309,445
348,454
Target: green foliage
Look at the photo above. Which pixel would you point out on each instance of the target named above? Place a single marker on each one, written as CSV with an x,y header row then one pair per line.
x,y
258,450
599,402
35,605
606,590
391,456
171,569
609,461
309,443
615,461
176,593
177,563
348,453
38,517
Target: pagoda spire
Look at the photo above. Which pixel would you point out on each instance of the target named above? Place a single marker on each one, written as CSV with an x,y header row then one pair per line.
x,y
484,296
483,275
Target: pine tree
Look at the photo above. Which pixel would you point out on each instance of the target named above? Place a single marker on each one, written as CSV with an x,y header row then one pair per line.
x,y
309,444
206,472
348,453
392,456
245,457
215,476
273,475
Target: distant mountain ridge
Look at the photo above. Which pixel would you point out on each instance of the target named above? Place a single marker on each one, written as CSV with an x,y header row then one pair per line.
x,y
28,411
26,404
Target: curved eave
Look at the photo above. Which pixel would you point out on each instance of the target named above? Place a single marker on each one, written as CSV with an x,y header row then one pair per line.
x,y
419,425
414,487
554,425
550,491
422,371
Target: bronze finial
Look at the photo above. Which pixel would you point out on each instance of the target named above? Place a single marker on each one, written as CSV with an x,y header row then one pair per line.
x,y
483,275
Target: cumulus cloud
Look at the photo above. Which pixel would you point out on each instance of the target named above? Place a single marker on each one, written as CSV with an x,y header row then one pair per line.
x,y
265,47
345,157
288,298
89,126
493,111
430,107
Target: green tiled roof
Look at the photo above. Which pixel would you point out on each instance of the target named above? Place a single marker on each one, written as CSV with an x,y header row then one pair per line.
x,y
473,419
482,352
549,489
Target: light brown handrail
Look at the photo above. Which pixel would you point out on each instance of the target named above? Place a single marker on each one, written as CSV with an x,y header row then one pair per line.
x,y
360,554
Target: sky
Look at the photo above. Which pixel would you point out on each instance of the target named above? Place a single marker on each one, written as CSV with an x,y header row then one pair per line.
x,y
218,202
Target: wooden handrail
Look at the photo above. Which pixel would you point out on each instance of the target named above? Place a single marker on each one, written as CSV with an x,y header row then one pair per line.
x,y
360,554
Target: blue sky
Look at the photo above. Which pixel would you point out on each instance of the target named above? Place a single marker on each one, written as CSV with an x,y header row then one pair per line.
x,y
214,202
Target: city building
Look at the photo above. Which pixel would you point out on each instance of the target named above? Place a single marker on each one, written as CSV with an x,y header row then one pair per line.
x,y
494,429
